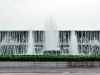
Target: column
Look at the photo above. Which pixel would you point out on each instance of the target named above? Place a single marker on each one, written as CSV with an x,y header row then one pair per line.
x,y
19,37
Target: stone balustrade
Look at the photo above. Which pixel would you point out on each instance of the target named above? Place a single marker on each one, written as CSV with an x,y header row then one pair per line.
x,y
50,64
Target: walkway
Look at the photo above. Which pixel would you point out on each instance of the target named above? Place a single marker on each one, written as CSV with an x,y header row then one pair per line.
x,y
49,70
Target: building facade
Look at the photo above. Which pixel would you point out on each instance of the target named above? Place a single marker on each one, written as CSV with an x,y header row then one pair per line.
x,y
19,39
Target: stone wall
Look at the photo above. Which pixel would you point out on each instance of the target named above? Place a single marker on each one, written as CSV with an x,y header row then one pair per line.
x,y
49,64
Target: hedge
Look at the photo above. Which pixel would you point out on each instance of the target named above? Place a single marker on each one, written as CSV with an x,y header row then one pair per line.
x,y
48,58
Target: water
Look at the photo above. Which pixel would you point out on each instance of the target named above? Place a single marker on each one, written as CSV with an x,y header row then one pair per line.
x,y
9,44
51,36
73,44
31,49
5,48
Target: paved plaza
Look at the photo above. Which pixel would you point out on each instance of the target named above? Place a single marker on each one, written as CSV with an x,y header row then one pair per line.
x,y
49,73
49,70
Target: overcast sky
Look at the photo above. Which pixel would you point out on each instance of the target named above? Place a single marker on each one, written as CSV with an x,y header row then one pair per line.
x,y
68,14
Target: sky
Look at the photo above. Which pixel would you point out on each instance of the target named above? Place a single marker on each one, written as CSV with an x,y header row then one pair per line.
x,y
68,14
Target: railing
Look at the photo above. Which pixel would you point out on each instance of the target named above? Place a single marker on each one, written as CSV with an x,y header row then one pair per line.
x,y
50,64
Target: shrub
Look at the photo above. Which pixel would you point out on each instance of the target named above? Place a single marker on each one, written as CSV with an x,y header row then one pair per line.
x,y
48,58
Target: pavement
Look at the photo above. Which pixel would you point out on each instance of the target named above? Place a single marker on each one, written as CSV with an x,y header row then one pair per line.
x,y
49,74
49,70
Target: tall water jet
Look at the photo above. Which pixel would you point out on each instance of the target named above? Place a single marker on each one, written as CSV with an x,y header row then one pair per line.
x,y
51,38
73,44
31,49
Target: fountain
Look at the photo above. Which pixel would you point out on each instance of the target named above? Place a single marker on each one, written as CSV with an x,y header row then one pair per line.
x,y
51,39
15,43
7,45
73,44
31,49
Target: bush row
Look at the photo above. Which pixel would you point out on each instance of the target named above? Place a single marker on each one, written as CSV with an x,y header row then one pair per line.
x,y
48,58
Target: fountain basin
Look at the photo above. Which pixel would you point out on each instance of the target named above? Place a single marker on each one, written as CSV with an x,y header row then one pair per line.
x,y
56,51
